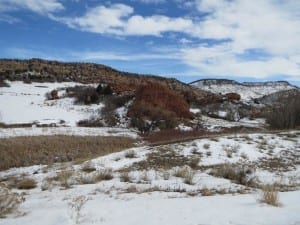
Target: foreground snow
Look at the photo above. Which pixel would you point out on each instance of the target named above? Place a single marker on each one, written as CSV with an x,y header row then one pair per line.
x,y
149,198
149,209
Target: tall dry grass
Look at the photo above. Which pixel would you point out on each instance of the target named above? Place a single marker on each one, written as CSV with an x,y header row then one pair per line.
x,y
27,151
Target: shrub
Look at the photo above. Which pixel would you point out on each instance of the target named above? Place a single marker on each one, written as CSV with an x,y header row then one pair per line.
x,y
159,104
9,201
111,103
88,167
206,146
269,195
194,162
125,177
92,178
84,94
63,178
286,113
27,183
236,173
105,174
186,173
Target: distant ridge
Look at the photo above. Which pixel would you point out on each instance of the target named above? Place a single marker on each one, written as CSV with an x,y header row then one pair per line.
x,y
212,81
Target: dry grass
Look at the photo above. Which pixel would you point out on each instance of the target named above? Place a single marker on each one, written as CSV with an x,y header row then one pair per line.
x,y
63,178
26,184
92,178
270,195
88,167
236,173
27,151
186,173
9,201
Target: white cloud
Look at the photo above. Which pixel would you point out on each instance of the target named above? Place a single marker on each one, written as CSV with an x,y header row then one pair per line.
x,y
101,19
119,19
273,26
38,6
121,56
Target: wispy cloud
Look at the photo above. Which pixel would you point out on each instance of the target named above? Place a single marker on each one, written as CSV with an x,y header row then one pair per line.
x,y
37,6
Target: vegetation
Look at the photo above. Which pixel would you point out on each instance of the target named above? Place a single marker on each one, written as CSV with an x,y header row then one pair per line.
x,y
286,113
269,195
158,104
27,151
9,201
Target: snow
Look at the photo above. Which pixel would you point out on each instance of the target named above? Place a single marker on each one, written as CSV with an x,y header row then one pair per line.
x,y
70,131
155,200
26,103
215,124
153,195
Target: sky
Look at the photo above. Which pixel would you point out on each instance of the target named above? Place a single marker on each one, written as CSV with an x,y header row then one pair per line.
x,y
242,40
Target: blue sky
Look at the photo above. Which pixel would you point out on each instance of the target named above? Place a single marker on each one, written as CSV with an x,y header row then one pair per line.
x,y
193,39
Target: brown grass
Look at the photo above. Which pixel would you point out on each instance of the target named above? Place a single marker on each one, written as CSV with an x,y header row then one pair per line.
x,y
27,151
270,195
9,201
26,184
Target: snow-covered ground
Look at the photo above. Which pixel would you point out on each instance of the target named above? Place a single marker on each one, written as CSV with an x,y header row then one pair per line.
x,y
144,187
27,103
247,92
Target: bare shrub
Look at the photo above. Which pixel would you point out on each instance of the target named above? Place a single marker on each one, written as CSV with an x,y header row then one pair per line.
x,y
76,207
9,201
269,195
84,94
63,178
186,173
286,113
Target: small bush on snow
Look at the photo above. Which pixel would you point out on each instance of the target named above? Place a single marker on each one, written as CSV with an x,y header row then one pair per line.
x,y
186,173
269,195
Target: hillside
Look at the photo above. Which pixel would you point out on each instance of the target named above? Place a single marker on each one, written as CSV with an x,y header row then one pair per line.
x,y
247,90
52,93
39,70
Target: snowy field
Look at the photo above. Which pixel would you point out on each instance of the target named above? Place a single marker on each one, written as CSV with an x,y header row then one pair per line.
x,y
184,184
27,103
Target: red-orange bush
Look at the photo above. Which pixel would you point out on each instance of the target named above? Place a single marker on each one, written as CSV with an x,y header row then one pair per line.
x,y
156,102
